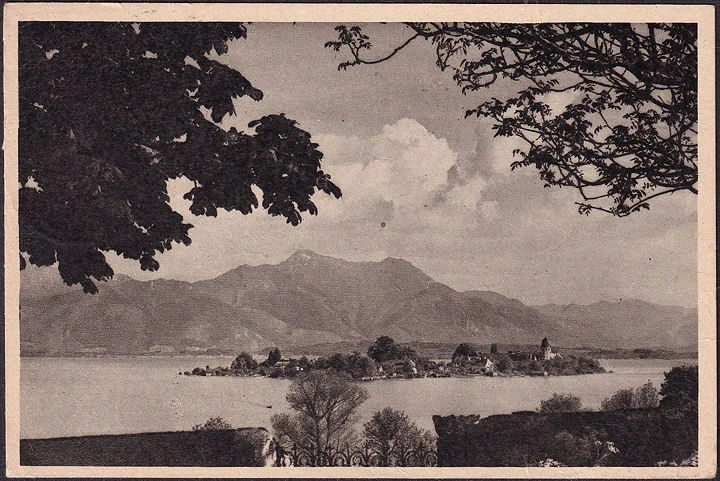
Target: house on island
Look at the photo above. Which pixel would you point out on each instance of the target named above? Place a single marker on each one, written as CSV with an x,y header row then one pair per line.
x,y
287,365
397,366
485,363
477,359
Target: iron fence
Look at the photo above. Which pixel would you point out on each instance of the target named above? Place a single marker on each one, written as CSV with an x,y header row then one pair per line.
x,y
364,456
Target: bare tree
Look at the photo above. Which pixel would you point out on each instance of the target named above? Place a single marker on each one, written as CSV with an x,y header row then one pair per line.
x,y
325,405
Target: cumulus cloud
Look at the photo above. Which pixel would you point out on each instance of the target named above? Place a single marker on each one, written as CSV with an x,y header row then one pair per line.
x,y
395,173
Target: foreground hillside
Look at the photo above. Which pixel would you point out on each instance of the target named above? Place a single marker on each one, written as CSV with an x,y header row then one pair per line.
x,y
640,437
311,299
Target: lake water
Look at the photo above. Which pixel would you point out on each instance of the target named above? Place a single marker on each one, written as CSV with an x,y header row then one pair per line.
x,y
70,397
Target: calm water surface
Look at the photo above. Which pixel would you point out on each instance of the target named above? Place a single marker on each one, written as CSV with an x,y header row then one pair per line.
x,y
70,397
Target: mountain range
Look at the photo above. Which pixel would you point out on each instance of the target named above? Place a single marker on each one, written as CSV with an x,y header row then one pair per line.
x,y
310,299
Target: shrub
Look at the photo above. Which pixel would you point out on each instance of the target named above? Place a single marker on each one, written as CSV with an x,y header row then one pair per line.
x,y
339,361
679,390
646,396
623,399
392,435
213,424
573,450
571,365
560,403
360,366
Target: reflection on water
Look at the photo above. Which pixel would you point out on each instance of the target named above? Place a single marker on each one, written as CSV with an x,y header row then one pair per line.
x,y
69,397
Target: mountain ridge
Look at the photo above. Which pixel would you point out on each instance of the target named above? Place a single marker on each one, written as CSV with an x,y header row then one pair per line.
x,y
310,298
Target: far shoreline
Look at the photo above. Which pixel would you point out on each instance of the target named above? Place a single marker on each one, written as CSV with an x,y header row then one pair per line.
x,y
621,355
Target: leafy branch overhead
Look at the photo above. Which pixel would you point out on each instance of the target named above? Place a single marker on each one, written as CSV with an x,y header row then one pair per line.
x,y
110,112
628,131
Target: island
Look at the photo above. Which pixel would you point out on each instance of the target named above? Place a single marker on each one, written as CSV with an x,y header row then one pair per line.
x,y
386,359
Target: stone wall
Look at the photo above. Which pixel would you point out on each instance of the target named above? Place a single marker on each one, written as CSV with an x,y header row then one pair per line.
x,y
642,437
235,447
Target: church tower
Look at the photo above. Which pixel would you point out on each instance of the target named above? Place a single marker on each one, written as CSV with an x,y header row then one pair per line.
x,y
546,350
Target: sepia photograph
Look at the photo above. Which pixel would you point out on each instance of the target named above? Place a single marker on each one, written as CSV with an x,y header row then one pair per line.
x,y
323,240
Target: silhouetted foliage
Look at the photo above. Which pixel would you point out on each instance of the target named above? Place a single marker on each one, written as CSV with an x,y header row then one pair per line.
x,y
571,450
643,397
204,448
110,112
213,424
628,131
646,396
392,435
304,363
494,348
359,366
560,403
622,399
679,390
338,361
639,437
465,349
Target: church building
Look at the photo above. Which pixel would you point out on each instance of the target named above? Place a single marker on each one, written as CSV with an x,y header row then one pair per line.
x,y
545,352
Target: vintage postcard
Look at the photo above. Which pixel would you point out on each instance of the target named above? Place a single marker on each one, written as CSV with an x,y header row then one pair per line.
x,y
335,240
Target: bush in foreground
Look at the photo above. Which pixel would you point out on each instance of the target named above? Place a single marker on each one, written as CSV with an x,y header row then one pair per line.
x,y
679,390
393,436
644,397
213,424
560,403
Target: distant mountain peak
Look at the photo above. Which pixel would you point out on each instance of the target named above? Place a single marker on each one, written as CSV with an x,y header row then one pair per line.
x,y
122,278
303,256
395,260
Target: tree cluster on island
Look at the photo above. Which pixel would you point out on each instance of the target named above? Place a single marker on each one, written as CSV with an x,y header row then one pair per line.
x,y
469,360
387,359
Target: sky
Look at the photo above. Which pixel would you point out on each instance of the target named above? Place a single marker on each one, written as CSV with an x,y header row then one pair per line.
x,y
422,183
